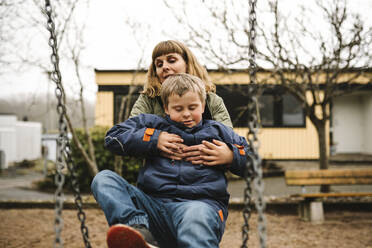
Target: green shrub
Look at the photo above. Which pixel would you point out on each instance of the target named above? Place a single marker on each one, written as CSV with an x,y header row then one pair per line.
x,y
104,158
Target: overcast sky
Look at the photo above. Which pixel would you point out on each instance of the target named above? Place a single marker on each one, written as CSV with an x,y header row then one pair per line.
x,y
110,45
113,46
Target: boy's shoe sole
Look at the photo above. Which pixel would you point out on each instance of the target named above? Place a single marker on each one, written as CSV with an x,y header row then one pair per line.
x,y
123,236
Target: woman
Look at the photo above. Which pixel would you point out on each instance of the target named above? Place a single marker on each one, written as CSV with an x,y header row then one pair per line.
x,y
170,57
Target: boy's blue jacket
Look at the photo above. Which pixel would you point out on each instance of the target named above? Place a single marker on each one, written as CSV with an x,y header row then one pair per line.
x,y
178,180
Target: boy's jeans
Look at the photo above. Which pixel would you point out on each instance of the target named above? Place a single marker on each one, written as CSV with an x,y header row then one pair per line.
x,y
189,224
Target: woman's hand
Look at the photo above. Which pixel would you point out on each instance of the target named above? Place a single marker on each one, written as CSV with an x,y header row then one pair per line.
x,y
193,153
170,145
210,154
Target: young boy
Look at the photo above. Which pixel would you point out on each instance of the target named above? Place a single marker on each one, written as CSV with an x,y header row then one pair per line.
x,y
179,203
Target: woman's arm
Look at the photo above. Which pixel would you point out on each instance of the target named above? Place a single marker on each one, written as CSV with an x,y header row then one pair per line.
x,y
218,109
143,105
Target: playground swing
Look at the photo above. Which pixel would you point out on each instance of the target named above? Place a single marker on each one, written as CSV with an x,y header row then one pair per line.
x,y
253,168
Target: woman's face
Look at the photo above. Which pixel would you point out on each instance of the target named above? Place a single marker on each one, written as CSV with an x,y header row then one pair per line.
x,y
169,64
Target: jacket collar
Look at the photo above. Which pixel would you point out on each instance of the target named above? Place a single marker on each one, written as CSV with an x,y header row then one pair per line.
x,y
183,127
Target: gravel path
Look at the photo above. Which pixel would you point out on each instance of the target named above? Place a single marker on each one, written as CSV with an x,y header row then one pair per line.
x,y
33,228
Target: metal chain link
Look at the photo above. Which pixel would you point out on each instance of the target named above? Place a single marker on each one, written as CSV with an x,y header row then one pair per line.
x,y
63,144
253,168
247,201
78,200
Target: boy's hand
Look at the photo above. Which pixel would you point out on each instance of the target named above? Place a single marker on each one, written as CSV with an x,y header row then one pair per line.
x,y
217,153
170,145
210,154
193,153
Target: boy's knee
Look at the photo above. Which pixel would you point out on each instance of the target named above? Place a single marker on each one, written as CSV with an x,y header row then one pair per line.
x,y
199,211
101,177
205,221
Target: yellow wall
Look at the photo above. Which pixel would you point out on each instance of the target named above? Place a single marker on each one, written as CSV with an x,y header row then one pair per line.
x,y
276,143
287,143
104,109
120,77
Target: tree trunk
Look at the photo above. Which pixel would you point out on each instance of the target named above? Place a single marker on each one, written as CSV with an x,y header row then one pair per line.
x,y
118,165
93,168
323,156
124,112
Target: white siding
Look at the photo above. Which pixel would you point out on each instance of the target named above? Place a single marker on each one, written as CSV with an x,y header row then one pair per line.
x,y
352,123
19,140
8,144
28,140
50,142
8,138
368,124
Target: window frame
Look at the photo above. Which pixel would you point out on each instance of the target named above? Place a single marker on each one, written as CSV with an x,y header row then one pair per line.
x,y
118,90
278,110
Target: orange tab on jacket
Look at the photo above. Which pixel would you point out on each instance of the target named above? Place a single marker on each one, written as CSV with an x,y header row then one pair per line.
x,y
241,149
220,213
148,133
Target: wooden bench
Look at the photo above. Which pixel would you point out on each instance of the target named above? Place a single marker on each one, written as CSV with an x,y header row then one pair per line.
x,y
311,205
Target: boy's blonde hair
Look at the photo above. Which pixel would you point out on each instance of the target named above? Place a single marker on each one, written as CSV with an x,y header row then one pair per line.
x,y
180,84
153,85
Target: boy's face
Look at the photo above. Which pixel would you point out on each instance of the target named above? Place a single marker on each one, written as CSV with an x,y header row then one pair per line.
x,y
186,109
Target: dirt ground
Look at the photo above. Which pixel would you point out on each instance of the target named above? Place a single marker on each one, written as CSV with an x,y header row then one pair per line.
x,y
34,228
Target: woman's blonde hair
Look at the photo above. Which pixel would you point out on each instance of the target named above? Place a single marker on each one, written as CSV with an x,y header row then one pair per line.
x,y
180,84
153,85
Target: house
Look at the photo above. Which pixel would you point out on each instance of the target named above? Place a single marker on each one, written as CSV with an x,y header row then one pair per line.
x,y
285,134
19,140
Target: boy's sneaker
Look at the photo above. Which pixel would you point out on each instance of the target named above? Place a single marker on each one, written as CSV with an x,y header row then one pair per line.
x,y
135,236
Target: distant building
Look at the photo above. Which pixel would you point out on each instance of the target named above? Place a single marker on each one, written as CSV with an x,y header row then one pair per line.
x,y
19,140
286,133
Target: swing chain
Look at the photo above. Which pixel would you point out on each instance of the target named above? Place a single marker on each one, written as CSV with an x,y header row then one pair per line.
x,y
254,169
247,200
78,200
61,141
63,144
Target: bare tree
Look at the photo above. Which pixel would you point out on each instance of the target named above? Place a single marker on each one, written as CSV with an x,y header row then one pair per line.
x,y
8,13
127,100
32,35
70,33
316,65
335,64
221,39
125,104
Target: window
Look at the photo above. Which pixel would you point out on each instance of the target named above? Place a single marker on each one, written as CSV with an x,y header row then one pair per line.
x,y
128,102
293,113
276,108
121,92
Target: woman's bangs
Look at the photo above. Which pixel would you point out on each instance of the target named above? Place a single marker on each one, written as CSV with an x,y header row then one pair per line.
x,y
165,48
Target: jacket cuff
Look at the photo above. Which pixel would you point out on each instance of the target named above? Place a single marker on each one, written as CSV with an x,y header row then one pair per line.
x,y
239,160
151,137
